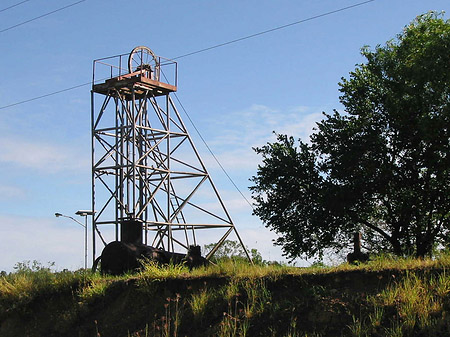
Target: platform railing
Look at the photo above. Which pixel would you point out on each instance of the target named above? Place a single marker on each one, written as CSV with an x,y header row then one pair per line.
x,y
116,66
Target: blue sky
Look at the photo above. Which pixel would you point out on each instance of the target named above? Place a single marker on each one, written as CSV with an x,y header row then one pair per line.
x,y
236,95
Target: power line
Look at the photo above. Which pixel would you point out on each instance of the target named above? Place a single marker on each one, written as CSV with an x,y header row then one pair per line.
x,y
192,53
212,153
197,52
274,29
12,6
238,40
46,95
41,16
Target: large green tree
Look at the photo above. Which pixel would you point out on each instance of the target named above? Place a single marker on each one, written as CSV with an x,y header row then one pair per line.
x,y
381,167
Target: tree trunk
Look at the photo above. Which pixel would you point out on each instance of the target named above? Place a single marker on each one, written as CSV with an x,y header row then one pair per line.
x,y
424,246
396,247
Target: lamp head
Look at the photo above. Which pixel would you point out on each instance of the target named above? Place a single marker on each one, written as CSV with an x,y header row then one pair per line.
x,y
58,214
85,213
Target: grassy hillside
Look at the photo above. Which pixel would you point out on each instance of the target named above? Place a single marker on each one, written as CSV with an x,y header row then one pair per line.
x,y
386,297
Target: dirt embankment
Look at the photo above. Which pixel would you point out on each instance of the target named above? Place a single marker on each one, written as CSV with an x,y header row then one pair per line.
x,y
324,304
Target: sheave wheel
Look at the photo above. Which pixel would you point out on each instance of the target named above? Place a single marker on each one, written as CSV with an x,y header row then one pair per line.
x,y
142,58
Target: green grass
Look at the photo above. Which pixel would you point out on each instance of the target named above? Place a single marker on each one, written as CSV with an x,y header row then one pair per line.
x,y
199,302
32,280
414,304
234,298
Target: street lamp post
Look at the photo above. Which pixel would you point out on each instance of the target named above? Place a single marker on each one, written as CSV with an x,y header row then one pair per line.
x,y
85,226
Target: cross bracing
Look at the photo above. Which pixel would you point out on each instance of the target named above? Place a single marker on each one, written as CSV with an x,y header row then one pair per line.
x,y
145,166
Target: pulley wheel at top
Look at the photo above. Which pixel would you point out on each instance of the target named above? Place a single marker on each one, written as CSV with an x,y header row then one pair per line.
x,y
142,58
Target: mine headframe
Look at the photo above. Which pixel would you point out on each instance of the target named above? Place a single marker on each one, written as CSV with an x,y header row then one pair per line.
x,y
145,167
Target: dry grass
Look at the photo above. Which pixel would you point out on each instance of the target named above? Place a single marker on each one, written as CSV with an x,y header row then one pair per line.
x,y
417,301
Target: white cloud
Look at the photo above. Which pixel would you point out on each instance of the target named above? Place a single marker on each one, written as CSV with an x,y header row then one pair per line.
x,y
237,158
302,128
238,205
46,239
8,192
257,122
44,157
61,241
42,239
253,127
262,239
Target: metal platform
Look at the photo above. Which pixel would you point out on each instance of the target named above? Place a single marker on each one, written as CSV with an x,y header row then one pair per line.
x,y
136,83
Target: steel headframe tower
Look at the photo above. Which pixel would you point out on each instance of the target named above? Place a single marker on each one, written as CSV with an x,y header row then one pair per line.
x,y
145,166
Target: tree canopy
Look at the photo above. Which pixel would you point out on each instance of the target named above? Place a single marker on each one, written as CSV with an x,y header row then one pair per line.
x,y
381,167
230,249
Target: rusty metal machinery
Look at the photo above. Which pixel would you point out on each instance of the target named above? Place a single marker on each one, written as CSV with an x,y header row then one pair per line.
x,y
145,167
142,58
128,254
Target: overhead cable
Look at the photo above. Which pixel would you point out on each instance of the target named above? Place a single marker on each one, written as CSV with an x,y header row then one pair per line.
x,y
41,16
202,50
12,6
46,95
274,29
197,52
212,153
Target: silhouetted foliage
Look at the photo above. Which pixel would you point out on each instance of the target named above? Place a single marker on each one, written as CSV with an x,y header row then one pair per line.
x,y
382,167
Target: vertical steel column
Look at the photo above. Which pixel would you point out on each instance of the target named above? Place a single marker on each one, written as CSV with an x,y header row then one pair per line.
x,y
145,195
122,176
170,241
92,172
133,148
117,167
127,149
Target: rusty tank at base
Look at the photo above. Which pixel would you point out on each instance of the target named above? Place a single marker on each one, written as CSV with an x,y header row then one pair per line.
x,y
126,255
